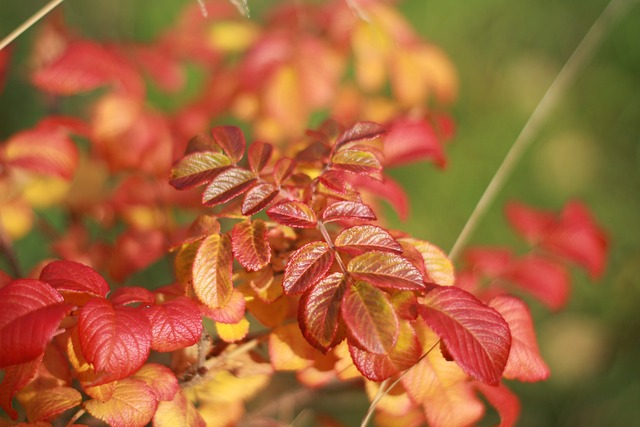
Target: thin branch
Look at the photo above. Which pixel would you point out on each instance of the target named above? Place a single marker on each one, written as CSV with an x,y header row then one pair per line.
x,y
581,55
29,22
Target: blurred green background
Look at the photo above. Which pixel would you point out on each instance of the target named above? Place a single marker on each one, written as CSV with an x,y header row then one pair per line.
x,y
507,53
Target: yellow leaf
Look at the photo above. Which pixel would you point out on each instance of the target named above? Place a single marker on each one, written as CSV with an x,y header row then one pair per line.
x,y
43,191
177,412
16,218
232,36
439,266
43,402
233,332
289,350
132,405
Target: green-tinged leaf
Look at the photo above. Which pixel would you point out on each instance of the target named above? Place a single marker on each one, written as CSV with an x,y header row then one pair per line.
x,y
250,245
198,168
232,141
293,214
319,311
371,322
306,267
386,270
258,198
346,210
227,185
212,271
365,238
356,161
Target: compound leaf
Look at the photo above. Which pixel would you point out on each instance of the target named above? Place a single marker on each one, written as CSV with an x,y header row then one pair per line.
x,y
356,162
232,141
306,267
258,198
386,270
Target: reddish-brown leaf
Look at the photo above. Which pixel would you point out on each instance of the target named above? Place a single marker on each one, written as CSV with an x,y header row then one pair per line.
x,y
360,131
198,168
232,141
346,210
132,404
28,308
319,311
259,156
293,214
132,295
70,276
356,162
306,267
475,335
371,322
227,185
175,324
160,379
250,245
366,238
386,270
258,198
116,340
283,170
212,271
525,362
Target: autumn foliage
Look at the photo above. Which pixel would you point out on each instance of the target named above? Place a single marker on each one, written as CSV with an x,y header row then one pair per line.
x,y
281,261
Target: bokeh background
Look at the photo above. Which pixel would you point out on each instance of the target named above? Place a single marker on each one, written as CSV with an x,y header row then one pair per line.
x,y
507,54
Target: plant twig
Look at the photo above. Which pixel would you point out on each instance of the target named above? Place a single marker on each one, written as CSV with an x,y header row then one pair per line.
x,y
576,62
29,22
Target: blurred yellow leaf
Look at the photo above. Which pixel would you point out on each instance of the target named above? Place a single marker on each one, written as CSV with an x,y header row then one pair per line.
x,y
233,332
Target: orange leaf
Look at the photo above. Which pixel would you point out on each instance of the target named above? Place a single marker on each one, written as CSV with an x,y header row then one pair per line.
x,y
160,379
132,405
233,332
15,378
177,412
288,350
250,245
231,313
212,271
356,162
439,266
46,402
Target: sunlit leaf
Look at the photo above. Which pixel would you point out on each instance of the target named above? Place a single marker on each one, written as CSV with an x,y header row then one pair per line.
x,y
177,412
439,267
288,350
250,245
319,311
212,271
366,238
476,335
293,214
259,156
386,270
357,162
132,405
70,276
198,168
233,332
360,131
232,141
258,198
371,322
346,210
334,180
160,379
306,267
175,324
227,185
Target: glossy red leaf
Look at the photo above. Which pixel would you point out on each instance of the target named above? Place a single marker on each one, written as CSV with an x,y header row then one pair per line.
x,y
525,362
132,404
386,270
227,185
346,210
366,238
356,162
411,140
132,295
258,198
259,155
231,313
475,335
160,379
379,367
503,400
250,245
198,168
70,276
360,131
371,322
293,214
306,267
28,308
334,180
116,340
15,378
175,324
319,311
232,141
212,271
283,169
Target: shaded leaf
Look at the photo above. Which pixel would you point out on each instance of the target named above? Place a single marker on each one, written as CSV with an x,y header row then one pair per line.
x,y
476,335
175,324
15,378
365,238
386,270
132,404
542,277
334,180
319,311
47,401
346,210
198,168
227,185
258,198
177,412
371,322
288,350
360,131
212,271
259,155
356,162
306,267
132,295
293,214
412,140
70,276
250,245
232,141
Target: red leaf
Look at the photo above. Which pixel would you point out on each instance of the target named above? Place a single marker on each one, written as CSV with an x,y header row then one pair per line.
x,y
116,340
70,276
232,141
356,162
346,210
259,155
132,404
283,170
360,131
212,271
293,214
379,367
412,140
543,278
525,362
530,223
160,379
306,267
319,311
258,198
5,59
250,245
28,308
198,168
505,402
371,322
227,185
388,189
334,180
132,295
15,378
175,324
476,335
366,238
231,313
386,270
